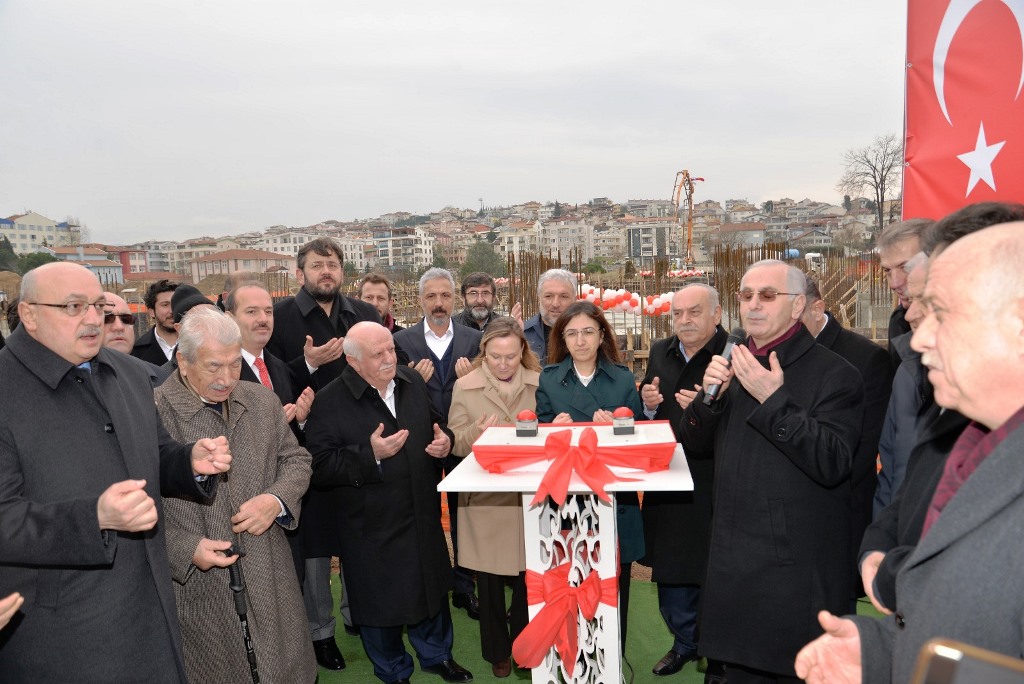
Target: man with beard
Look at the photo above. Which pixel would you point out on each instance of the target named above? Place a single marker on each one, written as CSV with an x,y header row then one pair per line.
x,y
556,290
441,352
308,334
157,344
478,294
677,525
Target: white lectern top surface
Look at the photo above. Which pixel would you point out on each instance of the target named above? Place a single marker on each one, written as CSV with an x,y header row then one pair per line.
x,y
470,476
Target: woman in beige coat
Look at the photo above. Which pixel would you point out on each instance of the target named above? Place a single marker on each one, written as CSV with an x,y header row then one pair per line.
x,y
491,541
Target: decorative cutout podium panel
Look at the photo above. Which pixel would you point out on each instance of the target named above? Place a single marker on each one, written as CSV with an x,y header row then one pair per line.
x,y
571,537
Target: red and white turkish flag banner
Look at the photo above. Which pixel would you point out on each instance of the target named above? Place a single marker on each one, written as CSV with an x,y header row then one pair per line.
x,y
965,105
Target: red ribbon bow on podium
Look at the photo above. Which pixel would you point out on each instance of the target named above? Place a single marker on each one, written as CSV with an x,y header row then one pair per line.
x,y
588,460
557,623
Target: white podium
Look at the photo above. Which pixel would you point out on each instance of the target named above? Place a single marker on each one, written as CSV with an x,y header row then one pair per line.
x,y
578,538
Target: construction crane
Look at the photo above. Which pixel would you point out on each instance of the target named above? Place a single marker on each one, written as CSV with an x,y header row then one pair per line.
x,y
684,186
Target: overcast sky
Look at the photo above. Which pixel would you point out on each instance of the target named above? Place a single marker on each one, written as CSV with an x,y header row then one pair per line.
x,y
157,119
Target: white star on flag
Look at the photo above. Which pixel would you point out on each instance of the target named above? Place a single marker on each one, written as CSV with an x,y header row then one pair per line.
x,y
979,161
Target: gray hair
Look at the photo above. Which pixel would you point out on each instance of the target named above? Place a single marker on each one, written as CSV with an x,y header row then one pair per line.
x,y
811,289
712,293
902,230
436,274
557,274
795,282
203,323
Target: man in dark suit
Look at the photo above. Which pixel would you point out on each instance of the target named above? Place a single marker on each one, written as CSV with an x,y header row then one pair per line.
x,y
897,243
442,351
556,290
375,289
784,429
963,580
876,371
81,533
156,345
382,486
677,525
252,308
308,333
311,326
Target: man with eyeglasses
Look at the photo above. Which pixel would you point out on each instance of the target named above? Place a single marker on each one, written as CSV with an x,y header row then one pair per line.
x,y
309,330
784,431
119,335
83,463
478,293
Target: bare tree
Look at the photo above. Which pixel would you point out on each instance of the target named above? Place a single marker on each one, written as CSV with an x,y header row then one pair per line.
x,y
876,167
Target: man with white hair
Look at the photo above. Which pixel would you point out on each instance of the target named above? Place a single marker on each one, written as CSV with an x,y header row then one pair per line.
x,y
556,290
381,482
963,579
784,430
252,510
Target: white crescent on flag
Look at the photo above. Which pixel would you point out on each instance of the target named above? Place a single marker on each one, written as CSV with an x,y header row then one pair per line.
x,y
955,15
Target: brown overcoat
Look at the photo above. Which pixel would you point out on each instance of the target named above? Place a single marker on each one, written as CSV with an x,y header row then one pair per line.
x,y
266,458
491,535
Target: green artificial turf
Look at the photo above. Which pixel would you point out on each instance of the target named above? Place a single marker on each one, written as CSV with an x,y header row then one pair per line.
x,y
648,640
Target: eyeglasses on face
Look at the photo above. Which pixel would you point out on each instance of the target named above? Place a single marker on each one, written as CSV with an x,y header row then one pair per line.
x,y
125,318
479,294
587,333
75,309
765,294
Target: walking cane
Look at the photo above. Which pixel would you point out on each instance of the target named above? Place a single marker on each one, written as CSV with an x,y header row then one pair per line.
x,y
236,582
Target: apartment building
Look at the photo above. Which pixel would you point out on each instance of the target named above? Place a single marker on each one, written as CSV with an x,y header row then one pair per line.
x,y
29,231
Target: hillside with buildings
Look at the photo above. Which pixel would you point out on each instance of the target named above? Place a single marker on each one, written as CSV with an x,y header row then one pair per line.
x,y
603,233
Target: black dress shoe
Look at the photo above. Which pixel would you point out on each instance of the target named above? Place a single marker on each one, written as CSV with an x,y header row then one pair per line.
x,y
327,654
470,602
672,662
450,671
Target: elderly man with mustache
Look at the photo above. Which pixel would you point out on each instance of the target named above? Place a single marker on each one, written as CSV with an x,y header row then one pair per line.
x,y
308,334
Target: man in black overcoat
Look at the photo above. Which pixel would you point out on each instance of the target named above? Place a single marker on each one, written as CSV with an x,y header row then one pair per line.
x,y
84,461
309,330
380,463
876,371
442,351
677,525
784,429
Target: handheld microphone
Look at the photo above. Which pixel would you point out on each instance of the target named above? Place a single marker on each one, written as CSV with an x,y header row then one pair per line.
x,y
737,336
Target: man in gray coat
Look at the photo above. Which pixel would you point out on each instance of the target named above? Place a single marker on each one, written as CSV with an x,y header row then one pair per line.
x,y
83,463
252,510
963,580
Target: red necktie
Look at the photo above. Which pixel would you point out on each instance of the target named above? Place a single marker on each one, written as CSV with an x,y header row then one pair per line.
x,y
264,375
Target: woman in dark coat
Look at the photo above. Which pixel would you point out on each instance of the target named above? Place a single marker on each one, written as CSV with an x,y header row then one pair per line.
x,y
585,383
